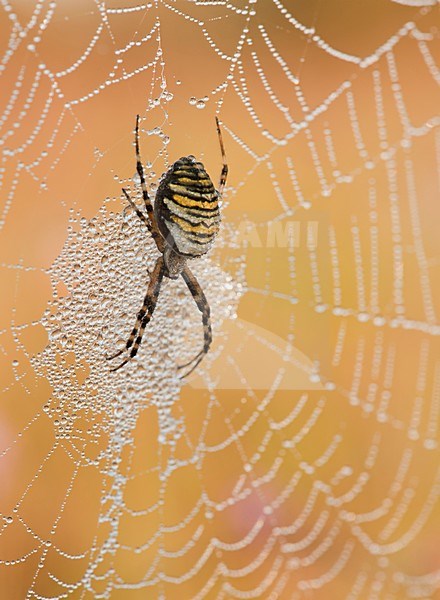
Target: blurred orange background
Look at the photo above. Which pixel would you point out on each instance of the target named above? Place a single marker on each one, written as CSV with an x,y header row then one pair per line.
x,y
301,459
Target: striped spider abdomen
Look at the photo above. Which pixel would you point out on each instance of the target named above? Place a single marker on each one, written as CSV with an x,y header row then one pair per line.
x,y
187,208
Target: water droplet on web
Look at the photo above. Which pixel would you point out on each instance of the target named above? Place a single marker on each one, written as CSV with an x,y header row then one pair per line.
x,y
192,100
430,444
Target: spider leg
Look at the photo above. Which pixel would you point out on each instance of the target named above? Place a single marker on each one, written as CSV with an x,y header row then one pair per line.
x,y
224,172
144,315
139,213
153,228
203,306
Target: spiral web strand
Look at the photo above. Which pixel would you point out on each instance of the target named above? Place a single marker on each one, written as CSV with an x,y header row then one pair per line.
x,y
301,460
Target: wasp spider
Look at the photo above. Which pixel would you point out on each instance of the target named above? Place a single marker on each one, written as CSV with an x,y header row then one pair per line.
x,y
183,223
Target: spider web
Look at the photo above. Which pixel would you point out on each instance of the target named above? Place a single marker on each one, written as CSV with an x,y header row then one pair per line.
x,y
301,459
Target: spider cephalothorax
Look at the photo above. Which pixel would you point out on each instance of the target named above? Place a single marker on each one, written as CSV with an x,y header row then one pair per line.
x,y
184,222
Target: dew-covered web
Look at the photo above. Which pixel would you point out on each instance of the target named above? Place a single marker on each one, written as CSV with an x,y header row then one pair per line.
x,y
301,459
